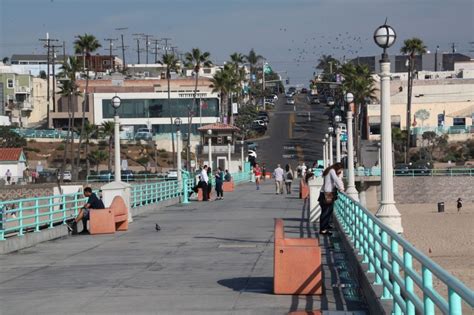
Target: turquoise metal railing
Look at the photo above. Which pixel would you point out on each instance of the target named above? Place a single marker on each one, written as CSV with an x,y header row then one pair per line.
x,y
443,130
241,177
44,133
32,214
391,258
152,192
107,178
375,171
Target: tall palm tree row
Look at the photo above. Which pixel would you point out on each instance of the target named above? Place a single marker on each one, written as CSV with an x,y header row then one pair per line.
x,y
411,47
359,81
67,90
195,59
172,64
223,82
237,60
85,45
253,59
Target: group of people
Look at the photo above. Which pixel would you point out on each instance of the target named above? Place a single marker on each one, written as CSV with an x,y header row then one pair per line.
x,y
332,184
205,184
29,176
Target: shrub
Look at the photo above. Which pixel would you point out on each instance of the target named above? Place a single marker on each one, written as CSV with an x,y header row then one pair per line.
x,y
32,149
60,147
103,143
163,155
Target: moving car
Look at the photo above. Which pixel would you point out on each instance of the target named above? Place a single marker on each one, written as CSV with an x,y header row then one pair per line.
x,y
290,101
304,90
289,94
330,101
67,176
315,100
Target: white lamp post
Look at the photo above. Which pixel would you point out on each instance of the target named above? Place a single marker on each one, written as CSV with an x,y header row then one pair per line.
x,y
337,119
331,160
229,140
209,147
116,101
325,160
351,190
384,37
326,136
177,123
242,161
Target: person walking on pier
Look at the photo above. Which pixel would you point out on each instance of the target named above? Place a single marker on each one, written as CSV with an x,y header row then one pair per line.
x,y
331,185
278,174
204,181
257,171
459,204
288,178
219,176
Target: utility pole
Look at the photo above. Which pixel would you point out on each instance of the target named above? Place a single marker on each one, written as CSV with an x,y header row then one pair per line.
x,y
123,46
47,45
147,43
155,52
53,55
166,39
436,58
111,44
453,48
174,50
138,45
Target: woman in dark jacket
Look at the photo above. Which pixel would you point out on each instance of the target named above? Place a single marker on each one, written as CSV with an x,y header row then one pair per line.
x,y
219,182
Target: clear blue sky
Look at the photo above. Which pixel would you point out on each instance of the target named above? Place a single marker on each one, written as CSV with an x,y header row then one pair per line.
x,y
291,34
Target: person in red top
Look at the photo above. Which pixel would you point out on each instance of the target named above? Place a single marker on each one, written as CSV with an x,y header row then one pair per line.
x,y
258,173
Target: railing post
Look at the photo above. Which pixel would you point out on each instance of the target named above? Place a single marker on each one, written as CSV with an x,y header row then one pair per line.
x,y
378,278
20,217
427,280
371,245
455,307
37,215
385,272
408,265
51,209
396,271
185,188
365,243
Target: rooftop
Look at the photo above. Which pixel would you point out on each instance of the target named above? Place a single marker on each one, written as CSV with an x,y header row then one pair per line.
x,y
10,154
219,127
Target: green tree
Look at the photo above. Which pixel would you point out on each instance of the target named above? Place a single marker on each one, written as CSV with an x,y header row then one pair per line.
x,y
411,47
172,64
359,81
89,131
96,157
237,60
5,60
10,139
85,45
195,59
253,59
107,131
247,114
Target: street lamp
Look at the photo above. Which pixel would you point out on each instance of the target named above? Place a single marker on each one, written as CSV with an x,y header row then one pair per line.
x,y
331,160
242,161
209,147
384,37
177,123
229,140
116,101
351,190
325,160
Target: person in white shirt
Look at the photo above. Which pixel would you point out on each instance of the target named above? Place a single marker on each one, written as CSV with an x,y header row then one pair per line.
x,y
204,182
332,184
278,175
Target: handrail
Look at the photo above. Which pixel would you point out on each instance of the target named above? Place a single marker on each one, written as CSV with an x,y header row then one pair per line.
x,y
107,178
376,171
379,246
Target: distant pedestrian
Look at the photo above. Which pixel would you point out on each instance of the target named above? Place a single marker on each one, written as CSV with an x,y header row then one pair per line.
x,y
8,175
459,204
257,171
209,183
264,171
288,178
278,174
219,176
331,185
303,170
227,176
204,180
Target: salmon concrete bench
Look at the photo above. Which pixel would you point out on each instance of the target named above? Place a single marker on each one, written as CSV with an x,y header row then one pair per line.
x,y
304,189
297,266
200,194
109,220
228,186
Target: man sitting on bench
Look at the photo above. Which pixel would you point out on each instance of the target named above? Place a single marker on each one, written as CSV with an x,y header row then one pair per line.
x,y
92,203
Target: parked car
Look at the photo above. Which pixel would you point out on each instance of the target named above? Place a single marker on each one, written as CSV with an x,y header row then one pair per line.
x,y
275,97
262,113
143,134
106,176
304,90
421,168
260,122
322,99
172,174
290,101
127,175
330,101
264,118
269,100
258,128
289,94
67,176
315,100
47,177
402,169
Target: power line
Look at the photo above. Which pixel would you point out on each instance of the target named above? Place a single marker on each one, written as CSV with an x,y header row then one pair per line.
x,y
138,50
147,36
123,47
111,48
47,45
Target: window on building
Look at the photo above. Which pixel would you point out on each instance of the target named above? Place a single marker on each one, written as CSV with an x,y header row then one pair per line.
x,y
10,84
459,121
207,71
106,62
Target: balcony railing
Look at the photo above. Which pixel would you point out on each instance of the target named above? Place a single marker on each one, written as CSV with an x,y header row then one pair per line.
x,y
443,130
22,90
394,261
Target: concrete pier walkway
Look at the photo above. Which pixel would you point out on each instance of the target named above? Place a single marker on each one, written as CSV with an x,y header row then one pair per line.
x,y
208,258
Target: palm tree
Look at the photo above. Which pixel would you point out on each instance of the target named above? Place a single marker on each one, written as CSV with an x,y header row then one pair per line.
x,y
360,82
85,45
220,84
172,64
68,90
96,157
195,60
237,59
327,64
253,59
89,131
107,131
411,47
